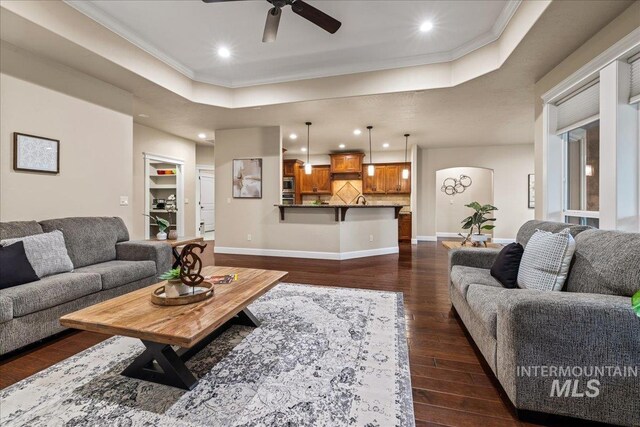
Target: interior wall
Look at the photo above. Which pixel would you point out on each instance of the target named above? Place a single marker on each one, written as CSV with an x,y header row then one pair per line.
x,y
205,154
150,140
92,120
451,209
511,165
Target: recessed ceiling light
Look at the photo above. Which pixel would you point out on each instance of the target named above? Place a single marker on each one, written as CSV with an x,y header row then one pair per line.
x,y
426,26
357,132
144,116
303,149
202,135
341,145
385,145
224,52
293,136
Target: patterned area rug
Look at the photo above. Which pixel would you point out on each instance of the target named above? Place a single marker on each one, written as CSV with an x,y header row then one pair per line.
x,y
322,357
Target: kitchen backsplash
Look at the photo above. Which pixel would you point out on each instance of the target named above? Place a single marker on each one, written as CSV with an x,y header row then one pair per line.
x,y
372,199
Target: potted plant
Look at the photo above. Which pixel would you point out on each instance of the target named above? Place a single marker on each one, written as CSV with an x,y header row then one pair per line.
x,y
174,286
478,221
163,226
635,303
171,209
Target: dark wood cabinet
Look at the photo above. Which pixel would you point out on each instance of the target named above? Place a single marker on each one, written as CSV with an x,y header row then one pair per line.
x,y
319,182
373,184
346,163
404,227
290,167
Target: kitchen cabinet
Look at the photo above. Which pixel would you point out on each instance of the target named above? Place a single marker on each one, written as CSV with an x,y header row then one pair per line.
x,y
346,163
404,227
318,182
289,167
373,184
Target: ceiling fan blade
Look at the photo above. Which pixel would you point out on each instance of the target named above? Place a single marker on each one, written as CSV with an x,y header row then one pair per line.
x,y
316,16
271,26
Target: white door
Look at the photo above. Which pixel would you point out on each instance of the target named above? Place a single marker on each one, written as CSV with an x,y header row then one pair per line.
x,y
207,201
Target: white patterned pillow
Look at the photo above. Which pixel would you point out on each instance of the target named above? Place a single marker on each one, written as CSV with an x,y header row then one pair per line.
x,y
46,253
546,260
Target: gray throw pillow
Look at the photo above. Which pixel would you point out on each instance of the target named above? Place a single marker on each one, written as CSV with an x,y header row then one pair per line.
x,y
546,260
46,253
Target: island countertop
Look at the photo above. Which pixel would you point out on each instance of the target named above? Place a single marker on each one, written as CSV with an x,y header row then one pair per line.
x,y
340,210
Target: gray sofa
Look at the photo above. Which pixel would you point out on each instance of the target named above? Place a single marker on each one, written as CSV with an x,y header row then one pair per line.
x,y
589,325
106,264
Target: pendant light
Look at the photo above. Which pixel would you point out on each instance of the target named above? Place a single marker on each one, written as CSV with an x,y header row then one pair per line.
x,y
405,171
371,170
307,166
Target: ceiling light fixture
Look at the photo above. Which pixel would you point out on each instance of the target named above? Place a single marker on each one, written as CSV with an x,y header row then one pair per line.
x,y
307,166
385,145
426,26
371,170
293,136
342,146
303,149
224,52
357,132
202,135
144,116
405,171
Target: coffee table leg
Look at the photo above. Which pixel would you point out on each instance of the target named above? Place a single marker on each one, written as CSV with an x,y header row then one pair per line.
x,y
176,255
246,318
171,370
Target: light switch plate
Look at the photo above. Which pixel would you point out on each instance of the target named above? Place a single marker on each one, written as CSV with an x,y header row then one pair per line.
x,y
186,201
124,200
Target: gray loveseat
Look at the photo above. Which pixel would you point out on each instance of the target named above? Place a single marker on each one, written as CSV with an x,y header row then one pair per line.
x,y
106,264
528,336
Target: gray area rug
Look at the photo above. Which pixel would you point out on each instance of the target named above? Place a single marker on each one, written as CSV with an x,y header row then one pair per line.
x,y
322,357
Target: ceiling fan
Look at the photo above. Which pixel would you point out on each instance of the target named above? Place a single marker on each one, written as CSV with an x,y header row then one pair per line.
x,y
299,7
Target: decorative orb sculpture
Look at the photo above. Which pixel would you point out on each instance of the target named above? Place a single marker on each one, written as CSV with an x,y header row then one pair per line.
x,y
453,186
191,265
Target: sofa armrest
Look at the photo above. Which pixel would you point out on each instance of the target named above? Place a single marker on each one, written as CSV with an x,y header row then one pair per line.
x,y
564,330
473,257
143,250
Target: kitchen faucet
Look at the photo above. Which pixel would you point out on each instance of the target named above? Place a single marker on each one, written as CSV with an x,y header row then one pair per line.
x,y
364,200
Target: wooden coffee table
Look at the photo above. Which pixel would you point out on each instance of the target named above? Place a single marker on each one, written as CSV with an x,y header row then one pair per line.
x,y
190,327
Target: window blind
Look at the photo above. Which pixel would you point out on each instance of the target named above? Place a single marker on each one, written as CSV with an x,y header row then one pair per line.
x,y
579,108
635,80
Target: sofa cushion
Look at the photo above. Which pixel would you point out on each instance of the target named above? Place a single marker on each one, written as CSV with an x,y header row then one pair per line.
x,y
13,229
484,301
118,273
606,262
46,253
89,240
462,277
15,268
528,228
505,267
6,309
546,261
50,292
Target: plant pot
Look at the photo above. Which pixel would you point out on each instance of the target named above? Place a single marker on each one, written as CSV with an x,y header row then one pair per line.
x,y
479,238
174,288
161,235
173,235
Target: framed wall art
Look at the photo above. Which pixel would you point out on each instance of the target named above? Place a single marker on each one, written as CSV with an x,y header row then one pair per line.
x,y
35,153
247,178
532,191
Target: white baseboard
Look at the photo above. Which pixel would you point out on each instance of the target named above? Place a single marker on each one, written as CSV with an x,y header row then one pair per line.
x,y
306,254
509,240
426,239
446,234
414,241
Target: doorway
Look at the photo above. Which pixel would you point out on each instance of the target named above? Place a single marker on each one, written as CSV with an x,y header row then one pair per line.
x,y
206,194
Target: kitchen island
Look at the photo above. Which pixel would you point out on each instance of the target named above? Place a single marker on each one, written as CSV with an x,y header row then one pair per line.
x,y
339,210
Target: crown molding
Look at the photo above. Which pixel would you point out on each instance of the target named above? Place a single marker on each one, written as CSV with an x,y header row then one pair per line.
x,y
88,9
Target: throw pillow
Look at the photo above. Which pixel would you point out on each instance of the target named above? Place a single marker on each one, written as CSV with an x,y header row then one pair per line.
x,y
505,267
14,266
546,260
46,253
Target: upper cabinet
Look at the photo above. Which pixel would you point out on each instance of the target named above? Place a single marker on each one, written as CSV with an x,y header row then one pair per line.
x,y
346,163
289,167
387,179
319,182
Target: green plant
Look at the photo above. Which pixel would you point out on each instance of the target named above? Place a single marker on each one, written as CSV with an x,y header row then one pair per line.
x,y
171,274
478,219
635,303
163,224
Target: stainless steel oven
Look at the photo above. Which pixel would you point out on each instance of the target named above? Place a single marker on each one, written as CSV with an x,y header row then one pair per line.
x,y
288,198
288,184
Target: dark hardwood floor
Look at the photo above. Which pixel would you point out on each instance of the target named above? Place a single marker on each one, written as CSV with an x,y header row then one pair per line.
x,y
450,385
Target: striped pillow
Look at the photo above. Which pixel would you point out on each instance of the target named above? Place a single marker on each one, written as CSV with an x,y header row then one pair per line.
x,y
546,260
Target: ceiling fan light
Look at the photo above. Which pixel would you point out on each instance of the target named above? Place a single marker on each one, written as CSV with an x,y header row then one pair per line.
x,y
307,169
371,170
405,173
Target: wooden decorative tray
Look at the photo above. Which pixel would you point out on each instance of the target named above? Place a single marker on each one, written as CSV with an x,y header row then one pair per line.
x,y
200,293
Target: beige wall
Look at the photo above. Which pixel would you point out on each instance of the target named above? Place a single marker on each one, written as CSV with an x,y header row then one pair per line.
x,y
205,154
510,164
153,141
450,210
93,122
617,29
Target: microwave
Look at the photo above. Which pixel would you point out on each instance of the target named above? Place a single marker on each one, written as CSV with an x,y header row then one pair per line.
x,y
288,185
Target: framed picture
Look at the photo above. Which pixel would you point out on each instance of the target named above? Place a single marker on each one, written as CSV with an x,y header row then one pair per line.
x,y
35,153
532,191
247,178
